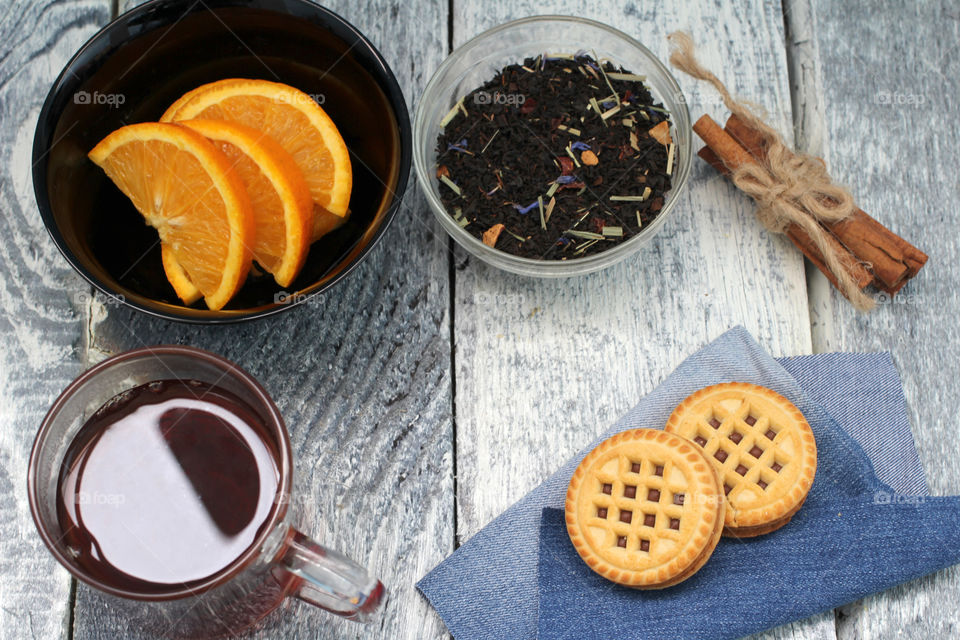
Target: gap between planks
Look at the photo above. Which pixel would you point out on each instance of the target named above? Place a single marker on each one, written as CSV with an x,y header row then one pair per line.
x,y
451,306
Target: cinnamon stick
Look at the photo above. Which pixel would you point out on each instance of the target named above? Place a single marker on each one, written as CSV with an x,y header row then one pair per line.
x,y
861,274
711,158
866,236
726,154
892,259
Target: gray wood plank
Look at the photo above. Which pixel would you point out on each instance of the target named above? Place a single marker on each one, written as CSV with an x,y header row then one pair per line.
x,y
42,306
890,84
363,380
803,58
523,342
543,366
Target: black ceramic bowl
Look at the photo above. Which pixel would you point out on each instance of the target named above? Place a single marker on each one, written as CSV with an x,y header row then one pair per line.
x,y
139,64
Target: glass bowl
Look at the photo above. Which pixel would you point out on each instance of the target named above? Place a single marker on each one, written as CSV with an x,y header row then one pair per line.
x,y
481,58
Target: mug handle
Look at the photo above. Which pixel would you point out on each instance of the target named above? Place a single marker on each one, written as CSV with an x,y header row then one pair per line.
x,y
330,580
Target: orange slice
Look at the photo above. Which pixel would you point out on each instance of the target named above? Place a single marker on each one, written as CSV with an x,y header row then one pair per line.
x,y
282,207
186,290
289,116
186,189
177,277
324,222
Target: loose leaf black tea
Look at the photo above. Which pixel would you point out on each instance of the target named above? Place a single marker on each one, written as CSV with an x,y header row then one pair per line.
x,y
559,157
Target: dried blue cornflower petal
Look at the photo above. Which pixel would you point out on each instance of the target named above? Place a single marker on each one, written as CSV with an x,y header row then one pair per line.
x,y
527,208
565,179
580,146
460,146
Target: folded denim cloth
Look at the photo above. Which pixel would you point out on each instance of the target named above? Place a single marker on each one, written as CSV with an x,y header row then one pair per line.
x,y
834,551
863,393
489,587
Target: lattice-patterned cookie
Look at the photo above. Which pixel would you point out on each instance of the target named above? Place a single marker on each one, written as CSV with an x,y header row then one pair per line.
x,y
645,509
760,444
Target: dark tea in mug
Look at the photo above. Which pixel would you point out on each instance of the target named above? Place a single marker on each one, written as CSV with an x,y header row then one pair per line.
x,y
166,485
161,477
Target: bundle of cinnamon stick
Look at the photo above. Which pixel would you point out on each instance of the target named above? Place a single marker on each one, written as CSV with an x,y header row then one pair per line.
x,y
871,253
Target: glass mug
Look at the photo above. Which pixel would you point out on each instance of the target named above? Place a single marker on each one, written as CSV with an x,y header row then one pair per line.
x,y
279,562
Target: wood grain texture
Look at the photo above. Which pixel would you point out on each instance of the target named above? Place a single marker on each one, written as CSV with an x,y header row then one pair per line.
x,y
809,125
543,366
42,306
890,86
362,377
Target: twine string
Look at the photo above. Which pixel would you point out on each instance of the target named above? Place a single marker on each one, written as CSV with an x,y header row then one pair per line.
x,y
790,188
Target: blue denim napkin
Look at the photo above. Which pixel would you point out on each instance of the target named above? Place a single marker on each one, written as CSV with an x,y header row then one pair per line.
x,y
833,551
489,588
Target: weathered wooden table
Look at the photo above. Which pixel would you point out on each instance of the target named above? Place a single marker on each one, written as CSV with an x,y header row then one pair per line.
x,y
429,392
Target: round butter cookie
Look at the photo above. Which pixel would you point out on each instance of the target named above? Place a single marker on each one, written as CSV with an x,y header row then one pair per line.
x,y
645,509
761,446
